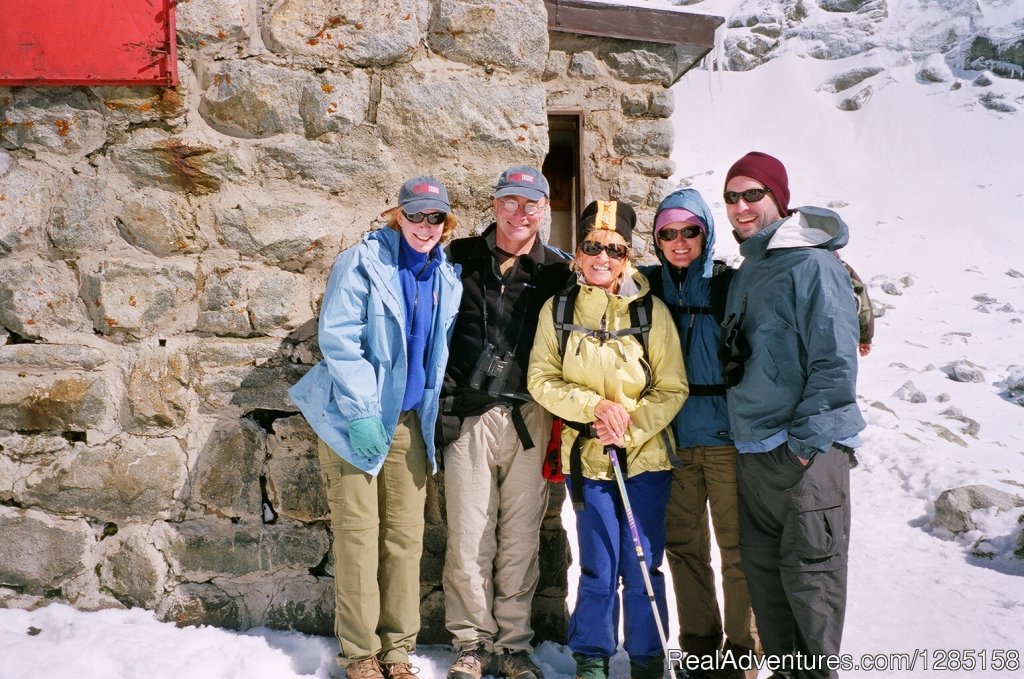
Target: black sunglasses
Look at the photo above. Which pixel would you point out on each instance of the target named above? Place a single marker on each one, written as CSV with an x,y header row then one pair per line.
x,y
750,195
434,218
685,232
614,250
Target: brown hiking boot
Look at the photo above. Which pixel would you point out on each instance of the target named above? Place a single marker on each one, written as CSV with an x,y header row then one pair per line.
x,y
365,669
472,664
400,670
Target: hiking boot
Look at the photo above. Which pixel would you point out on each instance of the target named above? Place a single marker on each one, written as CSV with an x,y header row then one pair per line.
x,y
472,664
517,665
653,668
590,668
400,670
365,669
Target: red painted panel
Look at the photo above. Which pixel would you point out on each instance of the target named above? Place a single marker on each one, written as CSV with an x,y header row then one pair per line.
x,y
87,42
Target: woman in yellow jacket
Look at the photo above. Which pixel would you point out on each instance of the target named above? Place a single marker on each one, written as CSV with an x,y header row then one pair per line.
x,y
614,393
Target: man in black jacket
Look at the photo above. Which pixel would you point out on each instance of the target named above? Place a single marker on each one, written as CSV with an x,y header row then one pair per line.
x,y
495,494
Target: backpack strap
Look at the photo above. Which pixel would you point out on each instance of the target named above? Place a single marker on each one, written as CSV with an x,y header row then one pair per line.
x,y
563,308
721,278
641,310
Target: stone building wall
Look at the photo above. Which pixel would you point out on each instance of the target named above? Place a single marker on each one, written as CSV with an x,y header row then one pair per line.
x,y
163,252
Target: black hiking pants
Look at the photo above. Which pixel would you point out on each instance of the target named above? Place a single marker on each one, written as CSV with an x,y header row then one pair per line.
x,y
794,542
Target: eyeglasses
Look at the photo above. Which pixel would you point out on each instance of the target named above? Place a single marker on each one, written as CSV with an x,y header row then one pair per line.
x,y
512,206
750,195
685,232
614,250
434,218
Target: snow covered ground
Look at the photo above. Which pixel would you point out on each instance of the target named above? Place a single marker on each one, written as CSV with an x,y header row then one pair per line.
x,y
932,184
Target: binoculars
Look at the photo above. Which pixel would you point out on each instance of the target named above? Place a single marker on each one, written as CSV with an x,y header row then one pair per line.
x,y
492,370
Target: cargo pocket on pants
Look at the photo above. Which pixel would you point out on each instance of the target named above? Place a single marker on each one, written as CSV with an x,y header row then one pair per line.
x,y
818,526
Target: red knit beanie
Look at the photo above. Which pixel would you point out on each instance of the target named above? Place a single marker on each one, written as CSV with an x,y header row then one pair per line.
x,y
767,170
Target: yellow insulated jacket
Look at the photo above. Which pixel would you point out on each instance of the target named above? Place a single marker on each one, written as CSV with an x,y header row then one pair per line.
x,y
571,385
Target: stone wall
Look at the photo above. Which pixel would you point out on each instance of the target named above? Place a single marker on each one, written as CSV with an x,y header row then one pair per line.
x,y
163,253
622,88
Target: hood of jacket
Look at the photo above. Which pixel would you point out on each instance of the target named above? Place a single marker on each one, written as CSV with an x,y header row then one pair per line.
x,y
690,199
805,227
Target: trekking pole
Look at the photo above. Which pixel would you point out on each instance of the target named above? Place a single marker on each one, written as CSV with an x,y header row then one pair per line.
x,y
612,452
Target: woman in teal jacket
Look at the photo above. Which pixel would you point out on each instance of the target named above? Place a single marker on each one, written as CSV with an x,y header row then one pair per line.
x,y
384,327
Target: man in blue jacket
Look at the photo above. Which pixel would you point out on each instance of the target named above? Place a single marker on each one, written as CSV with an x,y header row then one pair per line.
x,y
790,352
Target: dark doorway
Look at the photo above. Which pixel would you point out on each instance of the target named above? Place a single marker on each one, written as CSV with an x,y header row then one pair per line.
x,y
562,169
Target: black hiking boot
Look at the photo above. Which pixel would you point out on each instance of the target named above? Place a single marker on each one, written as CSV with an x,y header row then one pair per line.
x,y
653,668
517,665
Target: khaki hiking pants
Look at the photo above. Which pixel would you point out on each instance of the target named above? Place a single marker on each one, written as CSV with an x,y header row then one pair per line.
x,y
706,480
495,498
377,523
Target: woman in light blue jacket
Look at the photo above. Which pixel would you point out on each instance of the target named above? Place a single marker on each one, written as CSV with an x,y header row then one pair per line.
x,y
385,322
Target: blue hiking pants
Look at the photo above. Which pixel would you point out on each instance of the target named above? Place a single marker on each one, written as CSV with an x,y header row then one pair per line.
x,y
607,556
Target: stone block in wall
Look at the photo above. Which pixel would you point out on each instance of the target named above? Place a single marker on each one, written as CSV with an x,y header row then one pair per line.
x,y
210,22
56,128
432,629
585,66
661,103
652,166
334,102
39,299
289,235
195,604
356,163
252,99
253,300
245,375
557,64
211,548
549,617
634,103
159,222
50,357
471,115
25,201
659,189
294,487
39,553
139,297
631,189
511,34
52,401
289,601
149,157
136,105
357,32
81,219
158,395
131,568
229,463
644,138
126,478
643,62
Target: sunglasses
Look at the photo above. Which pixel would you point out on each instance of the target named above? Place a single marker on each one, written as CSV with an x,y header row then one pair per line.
x,y
750,195
614,250
685,232
434,218
512,206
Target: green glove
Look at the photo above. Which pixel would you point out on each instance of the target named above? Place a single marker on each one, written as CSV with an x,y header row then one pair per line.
x,y
368,437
